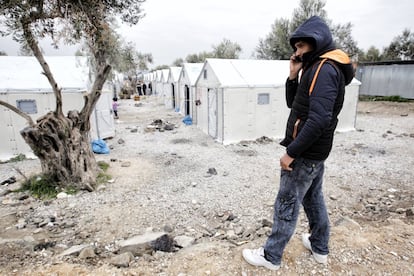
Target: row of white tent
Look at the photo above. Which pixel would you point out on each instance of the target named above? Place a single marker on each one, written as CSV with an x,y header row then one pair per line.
x,y
23,85
234,100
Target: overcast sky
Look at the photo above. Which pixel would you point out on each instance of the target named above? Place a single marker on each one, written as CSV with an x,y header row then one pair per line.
x,y
174,29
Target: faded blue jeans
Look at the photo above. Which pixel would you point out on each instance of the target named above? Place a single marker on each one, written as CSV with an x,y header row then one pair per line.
x,y
302,185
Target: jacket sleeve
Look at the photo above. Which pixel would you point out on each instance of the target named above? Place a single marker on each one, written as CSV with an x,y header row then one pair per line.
x,y
291,88
321,106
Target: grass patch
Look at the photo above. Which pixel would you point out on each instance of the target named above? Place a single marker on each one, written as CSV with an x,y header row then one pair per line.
x,y
15,159
46,187
40,186
103,178
384,99
103,165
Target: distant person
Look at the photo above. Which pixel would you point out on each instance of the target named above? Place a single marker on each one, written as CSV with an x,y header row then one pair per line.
x,y
149,88
139,88
315,100
115,107
144,89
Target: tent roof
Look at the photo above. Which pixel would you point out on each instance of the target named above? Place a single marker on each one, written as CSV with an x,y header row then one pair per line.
x,y
23,73
192,70
249,73
164,75
175,73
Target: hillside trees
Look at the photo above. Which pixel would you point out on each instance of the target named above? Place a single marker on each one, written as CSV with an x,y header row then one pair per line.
x,y
276,44
62,143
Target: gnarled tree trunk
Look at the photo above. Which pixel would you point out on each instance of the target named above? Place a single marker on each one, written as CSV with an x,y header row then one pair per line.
x,y
64,150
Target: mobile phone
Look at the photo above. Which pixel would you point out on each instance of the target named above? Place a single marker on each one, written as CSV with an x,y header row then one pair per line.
x,y
297,59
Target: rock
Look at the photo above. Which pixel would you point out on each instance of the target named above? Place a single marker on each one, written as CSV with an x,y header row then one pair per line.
x,y
21,223
266,223
122,260
231,235
400,211
409,212
333,197
184,241
140,245
10,180
62,195
87,253
228,216
121,141
169,126
239,230
74,250
164,243
126,164
212,171
168,228
42,245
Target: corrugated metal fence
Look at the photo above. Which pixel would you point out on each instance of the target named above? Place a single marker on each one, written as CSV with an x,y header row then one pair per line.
x,y
387,79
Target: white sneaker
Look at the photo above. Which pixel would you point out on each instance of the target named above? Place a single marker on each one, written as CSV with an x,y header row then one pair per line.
x,y
256,257
322,259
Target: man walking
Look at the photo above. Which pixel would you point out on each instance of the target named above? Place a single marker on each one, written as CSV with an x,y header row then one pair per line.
x,y
315,99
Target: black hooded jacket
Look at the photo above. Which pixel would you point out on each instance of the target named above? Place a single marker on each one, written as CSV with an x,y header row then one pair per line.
x,y
313,117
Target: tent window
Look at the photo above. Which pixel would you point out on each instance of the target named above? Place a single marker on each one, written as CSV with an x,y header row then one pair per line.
x,y
27,106
263,98
205,74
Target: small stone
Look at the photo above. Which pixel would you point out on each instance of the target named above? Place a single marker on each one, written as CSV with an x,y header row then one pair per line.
x,y
409,212
400,211
21,223
168,228
212,171
87,253
266,223
333,197
126,164
184,241
393,253
122,260
62,195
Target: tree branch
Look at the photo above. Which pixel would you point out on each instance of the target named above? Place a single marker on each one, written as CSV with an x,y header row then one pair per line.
x,y
46,70
93,97
19,112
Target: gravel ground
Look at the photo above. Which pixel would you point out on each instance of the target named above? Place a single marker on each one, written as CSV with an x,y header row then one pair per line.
x,y
161,181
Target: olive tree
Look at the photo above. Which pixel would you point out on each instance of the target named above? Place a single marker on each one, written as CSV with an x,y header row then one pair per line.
x,y
62,142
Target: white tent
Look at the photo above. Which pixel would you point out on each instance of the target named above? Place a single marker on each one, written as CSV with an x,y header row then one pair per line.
x,y
245,99
157,83
23,85
173,90
186,84
165,87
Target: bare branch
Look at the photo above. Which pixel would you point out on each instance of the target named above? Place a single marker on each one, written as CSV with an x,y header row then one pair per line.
x,y
19,112
46,70
93,97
